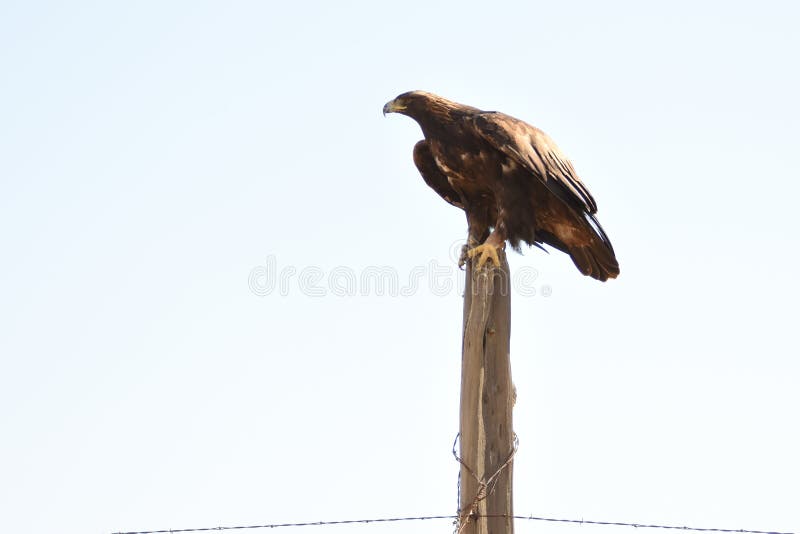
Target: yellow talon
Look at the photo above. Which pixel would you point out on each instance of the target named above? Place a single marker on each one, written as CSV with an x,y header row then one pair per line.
x,y
462,259
487,251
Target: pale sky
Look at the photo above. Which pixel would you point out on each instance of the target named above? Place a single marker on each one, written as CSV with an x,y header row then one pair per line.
x,y
159,161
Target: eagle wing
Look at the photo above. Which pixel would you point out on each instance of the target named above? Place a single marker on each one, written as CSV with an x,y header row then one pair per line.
x,y
433,175
533,149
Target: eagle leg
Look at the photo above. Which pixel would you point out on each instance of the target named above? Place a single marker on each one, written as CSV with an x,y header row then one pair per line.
x,y
488,250
478,232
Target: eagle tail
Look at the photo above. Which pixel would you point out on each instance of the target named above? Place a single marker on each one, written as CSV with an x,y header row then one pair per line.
x,y
596,259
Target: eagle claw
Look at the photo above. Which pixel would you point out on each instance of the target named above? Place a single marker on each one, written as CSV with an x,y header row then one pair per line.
x,y
462,259
464,256
487,252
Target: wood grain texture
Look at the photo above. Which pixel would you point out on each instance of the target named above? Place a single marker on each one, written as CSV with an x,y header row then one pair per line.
x,y
487,400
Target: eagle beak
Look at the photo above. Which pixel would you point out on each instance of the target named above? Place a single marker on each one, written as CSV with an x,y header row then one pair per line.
x,y
392,107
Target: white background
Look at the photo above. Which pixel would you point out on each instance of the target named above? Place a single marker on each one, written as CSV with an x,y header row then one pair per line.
x,y
153,154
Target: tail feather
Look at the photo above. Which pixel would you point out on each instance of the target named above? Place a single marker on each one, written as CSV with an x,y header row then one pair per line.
x,y
596,260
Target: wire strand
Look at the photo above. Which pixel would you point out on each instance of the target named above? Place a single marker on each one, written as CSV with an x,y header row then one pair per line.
x,y
455,517
305,524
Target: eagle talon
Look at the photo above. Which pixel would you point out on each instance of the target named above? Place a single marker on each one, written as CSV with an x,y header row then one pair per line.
x,y
487,252
464,256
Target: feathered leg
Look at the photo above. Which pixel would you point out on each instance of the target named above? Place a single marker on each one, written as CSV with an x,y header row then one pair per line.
x,y
478,231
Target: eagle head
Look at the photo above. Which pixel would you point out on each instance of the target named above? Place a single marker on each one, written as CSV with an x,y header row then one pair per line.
x,y
429,110
411,103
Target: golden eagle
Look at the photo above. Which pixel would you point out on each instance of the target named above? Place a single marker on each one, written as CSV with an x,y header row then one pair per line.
x,y
508,177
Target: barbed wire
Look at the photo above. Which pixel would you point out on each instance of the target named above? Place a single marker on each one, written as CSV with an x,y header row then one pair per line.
x,y
455,518
640,525
485,486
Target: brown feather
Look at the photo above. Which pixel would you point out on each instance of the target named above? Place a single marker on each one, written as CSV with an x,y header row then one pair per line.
x,y
433,176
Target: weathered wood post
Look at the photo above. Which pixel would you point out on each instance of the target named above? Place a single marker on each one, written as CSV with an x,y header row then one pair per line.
x,y
487,443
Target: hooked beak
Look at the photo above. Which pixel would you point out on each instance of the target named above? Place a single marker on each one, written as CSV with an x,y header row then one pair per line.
x,y
392,107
